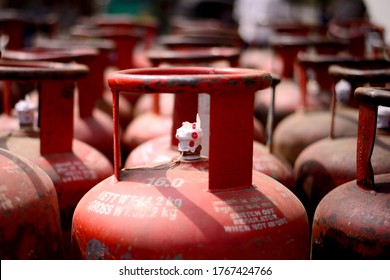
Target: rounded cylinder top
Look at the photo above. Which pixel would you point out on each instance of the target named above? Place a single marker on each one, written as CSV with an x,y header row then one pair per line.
x,y
372,71
35,54
41,70
189,80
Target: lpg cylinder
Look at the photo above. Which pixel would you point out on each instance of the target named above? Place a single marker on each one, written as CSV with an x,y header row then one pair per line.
x,y
73,166
163,148
30,218
88,121
352,221
194,207
330,162
307,125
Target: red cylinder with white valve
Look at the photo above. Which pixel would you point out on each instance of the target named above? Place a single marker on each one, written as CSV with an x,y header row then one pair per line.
x,y
194,207
73,166
89,121
164,148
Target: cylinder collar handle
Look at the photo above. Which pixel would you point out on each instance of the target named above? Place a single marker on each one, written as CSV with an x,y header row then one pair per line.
x,y
375,72
231,93
56,82
89,88
369,99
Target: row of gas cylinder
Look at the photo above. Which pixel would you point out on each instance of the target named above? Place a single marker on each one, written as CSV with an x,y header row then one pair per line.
x,y
243,159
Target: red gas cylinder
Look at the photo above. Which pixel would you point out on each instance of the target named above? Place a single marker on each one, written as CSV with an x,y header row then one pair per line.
x,y
352,221
88,121
306,125
152,123
73,166
30,218
330,162
205,208
164,148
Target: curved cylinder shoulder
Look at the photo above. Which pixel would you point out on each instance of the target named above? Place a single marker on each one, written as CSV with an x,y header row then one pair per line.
x,y
188,80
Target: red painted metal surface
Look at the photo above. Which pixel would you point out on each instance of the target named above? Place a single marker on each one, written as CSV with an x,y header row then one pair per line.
x,y
352,221
73,166
215,208
330,162
29,215
161,149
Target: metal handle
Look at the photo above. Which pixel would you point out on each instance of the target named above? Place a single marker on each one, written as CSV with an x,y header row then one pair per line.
x,y
231,93
56,83
372,71
369,99
271,115
89,88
